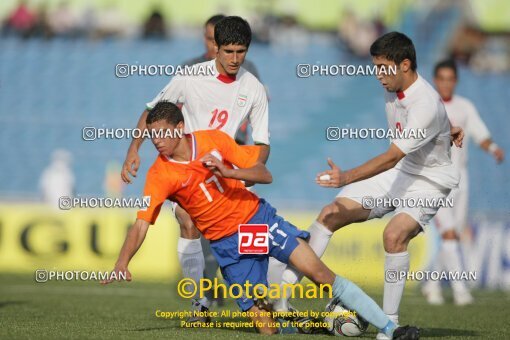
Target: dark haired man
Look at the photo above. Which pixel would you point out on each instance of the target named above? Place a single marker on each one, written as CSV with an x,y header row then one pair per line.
x,y
451,221
197,171
417,167
219,101
241,136
210,47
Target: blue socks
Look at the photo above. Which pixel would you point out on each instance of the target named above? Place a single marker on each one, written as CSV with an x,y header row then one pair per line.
x,y
388,330
356,300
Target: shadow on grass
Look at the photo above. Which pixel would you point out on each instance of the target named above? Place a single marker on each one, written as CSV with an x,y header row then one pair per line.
x,y
9,303
442,332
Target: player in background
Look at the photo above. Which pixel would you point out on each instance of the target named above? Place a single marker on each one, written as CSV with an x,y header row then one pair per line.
x,y
210,47
221,101
411,168
197,171
452,221
210,53
241,137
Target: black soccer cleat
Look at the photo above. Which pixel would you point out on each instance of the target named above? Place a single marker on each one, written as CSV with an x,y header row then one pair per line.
x,y
406,333
200,313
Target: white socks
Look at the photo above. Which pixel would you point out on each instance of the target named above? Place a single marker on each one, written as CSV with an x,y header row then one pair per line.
x,y
450,258
393,283
275,271
319,239
191,259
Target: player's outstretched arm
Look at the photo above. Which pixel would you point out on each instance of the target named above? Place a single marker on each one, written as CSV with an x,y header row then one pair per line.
x,y
336,178
258,173
489,146
134,239
132,161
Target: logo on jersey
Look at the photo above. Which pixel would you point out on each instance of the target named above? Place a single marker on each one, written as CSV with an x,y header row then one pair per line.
x,y
185,184
253,239
241,100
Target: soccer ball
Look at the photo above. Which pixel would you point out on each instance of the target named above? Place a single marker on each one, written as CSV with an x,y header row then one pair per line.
x,y
342,321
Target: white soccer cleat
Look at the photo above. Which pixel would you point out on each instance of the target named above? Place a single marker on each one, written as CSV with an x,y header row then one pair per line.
x,y
382,336
434,297
281,305
433,294
463,298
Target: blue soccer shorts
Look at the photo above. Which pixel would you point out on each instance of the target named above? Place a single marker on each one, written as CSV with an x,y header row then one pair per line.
x,y
241,268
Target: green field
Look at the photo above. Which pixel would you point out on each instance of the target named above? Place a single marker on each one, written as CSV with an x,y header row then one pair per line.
x,y
79,310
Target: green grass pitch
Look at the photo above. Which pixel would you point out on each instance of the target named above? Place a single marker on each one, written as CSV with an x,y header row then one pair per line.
x,y
87,310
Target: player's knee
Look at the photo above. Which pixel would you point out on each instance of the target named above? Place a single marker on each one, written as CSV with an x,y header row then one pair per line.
x,y
331,216
322,276
188,230
395,241
449,235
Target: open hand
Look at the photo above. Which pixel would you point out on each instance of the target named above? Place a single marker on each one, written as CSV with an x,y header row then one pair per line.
x,y
333,178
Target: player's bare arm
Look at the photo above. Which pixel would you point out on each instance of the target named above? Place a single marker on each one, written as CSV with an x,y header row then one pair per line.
x,y
264,152
336,178
132,161
134,239
263,157
489,146
255,174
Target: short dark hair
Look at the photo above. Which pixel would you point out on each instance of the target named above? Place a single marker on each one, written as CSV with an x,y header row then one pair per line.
x,y
165,110
449,63
395,46
214,19
232,30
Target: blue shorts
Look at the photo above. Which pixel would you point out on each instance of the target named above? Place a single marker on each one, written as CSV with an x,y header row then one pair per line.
x,y
252,268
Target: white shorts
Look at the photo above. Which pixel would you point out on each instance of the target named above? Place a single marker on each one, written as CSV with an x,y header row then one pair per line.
x,y
397,188
455,218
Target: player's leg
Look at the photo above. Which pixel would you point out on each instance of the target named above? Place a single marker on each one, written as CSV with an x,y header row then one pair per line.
x,y
237,270
407,222
451,252
335,215
288,244
397,234
191,257
275,271
210,269
431,289
347,208
304,259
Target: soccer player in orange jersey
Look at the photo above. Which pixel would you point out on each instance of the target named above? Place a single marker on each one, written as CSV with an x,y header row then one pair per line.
x,y
189,171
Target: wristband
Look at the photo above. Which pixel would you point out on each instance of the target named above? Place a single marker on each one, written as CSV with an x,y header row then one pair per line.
x,y
493,147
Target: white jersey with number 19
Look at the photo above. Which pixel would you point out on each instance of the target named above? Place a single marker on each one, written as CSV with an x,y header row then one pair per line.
x,y
215,101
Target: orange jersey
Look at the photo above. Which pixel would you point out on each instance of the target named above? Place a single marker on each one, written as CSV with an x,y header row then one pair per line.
x,y
217,205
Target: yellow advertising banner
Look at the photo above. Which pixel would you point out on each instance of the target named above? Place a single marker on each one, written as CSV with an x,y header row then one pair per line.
x,y
36,237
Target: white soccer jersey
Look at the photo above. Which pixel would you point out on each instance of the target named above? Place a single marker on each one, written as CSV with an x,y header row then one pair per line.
x,y
463,113
214,101
419,108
